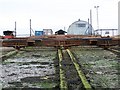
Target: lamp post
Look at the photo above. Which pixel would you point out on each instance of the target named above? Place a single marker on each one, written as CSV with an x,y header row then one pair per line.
x,y
97,16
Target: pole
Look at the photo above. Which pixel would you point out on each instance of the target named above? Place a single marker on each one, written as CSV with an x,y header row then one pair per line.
x,y
97,16
88,22
91,21
30,27
91,17
15,29
64,28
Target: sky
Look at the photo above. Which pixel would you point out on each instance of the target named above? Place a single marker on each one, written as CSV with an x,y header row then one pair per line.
x,y
55,14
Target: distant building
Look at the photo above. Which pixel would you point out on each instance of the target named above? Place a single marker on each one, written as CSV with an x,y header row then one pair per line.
x,y
106,32
8,34
80,27
60,32
47,31
39,33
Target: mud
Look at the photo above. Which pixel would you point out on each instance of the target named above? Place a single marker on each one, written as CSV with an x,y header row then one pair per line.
x,y
5,50
29,69
71,75
101,66
38,68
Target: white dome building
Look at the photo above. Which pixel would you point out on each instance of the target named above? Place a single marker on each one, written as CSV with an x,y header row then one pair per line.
x,y
80,27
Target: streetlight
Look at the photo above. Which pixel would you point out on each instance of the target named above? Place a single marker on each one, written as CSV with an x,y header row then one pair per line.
x,y
97,16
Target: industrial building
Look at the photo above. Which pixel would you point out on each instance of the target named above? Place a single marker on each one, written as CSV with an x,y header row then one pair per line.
x,y
44,32
39,33
60,32
47,31
80,27
106,32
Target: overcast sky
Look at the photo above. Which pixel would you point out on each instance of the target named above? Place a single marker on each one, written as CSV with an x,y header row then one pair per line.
x,y
55,14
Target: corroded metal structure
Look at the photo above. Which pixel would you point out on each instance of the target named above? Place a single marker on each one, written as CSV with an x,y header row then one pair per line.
x,y
61,40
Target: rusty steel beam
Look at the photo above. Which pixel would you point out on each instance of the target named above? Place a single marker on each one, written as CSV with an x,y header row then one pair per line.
x,y
62,40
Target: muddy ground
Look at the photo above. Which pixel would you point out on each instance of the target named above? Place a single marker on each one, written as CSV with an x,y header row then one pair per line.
x,y
71,74
101,66
30,68
4,50
38,68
